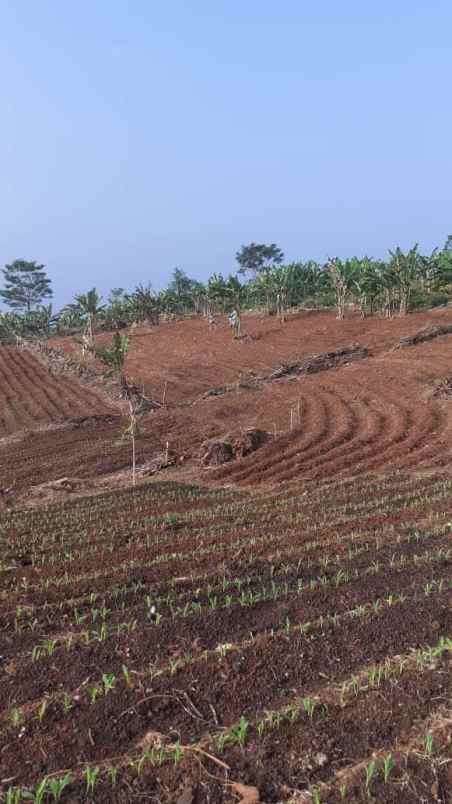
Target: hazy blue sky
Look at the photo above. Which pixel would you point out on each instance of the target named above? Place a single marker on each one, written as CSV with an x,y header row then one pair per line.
x,y
141,135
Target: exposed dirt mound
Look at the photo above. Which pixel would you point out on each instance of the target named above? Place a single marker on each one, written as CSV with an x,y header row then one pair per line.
x,y
249,441
426,334
161,461
216,452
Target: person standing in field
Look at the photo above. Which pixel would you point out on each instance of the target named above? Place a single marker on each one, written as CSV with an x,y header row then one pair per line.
x,y
234,322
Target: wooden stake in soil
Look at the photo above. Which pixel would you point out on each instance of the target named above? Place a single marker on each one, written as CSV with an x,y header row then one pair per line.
x,y
132,431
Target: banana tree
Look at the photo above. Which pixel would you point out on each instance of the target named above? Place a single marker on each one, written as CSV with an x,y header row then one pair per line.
x,y
342,274
217,293
145,305
367,284
89,307
406,271
388,287
283,282
115,356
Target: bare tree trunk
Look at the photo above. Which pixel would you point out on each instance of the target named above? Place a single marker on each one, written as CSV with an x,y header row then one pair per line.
x,y
388,303
340,300
404,301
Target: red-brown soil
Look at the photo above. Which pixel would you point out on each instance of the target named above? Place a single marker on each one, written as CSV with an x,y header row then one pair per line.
x,y
281,622
31,396
375,414
189,359
174,640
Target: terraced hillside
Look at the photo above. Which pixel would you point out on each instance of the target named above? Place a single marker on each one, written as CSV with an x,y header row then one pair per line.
x,y
30,396
379,415
179,644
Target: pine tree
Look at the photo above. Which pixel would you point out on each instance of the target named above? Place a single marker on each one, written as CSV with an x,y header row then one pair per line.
x,y
26,285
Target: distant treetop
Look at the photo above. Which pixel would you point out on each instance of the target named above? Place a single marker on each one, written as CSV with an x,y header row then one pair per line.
x,y
26,285
259,258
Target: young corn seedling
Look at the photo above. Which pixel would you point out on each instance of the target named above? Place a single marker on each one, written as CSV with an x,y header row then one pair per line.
x,y
260,727
178,751
40,791
91,775
68,703
429,744
94,692
108,680
388,765
127,678
15,718
56,786
239,733
13,795
309,706
370,773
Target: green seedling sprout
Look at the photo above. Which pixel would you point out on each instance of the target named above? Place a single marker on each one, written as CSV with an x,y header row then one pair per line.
x,y
13,795
91,775
370,773
56,786
93,693
68,703
40,791
108,680
126,674
239,733
15,717
388,765
308,706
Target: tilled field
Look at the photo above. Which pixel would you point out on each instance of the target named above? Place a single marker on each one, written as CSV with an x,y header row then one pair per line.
x,y
184,359
31,396
379,414
179,644
377,417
